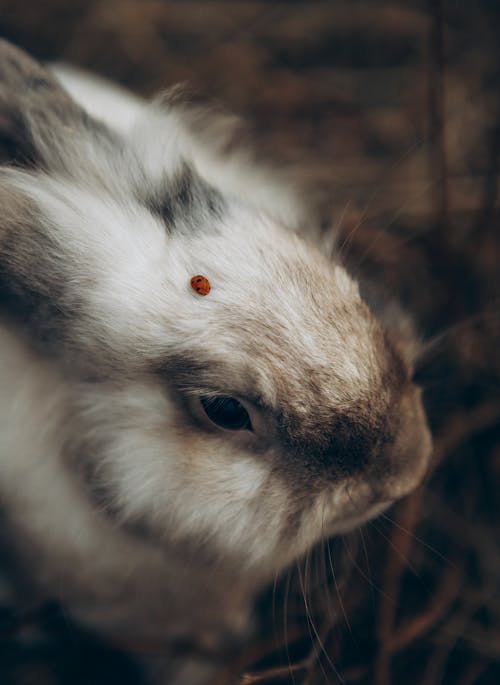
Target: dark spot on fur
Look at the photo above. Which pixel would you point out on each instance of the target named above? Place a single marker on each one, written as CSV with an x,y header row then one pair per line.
x,y
37,83
16,144
341,444
186,200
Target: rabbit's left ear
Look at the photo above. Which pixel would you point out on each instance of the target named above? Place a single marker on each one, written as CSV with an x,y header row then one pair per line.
x,y
39,121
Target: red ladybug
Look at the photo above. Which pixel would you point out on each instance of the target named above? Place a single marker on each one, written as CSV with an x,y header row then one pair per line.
x,y
200,284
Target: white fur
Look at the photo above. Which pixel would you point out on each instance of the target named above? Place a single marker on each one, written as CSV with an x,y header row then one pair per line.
x,y
106,101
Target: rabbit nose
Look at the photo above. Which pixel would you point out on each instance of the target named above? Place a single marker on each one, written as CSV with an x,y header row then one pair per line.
x,y
404,468
400,483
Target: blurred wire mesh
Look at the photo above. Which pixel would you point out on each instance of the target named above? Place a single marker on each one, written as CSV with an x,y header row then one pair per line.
x,y
389,112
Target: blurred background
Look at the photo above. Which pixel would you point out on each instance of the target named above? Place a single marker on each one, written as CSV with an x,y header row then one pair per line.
x,y
389,112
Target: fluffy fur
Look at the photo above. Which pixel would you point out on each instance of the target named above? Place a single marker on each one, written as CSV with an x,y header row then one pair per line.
x,y
120,499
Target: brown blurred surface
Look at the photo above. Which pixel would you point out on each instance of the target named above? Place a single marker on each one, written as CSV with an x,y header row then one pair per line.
x,y
390,111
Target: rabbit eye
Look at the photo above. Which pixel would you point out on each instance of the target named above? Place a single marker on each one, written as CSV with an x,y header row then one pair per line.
x,y
227,413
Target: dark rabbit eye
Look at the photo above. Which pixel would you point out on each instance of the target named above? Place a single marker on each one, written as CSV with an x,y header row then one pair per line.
x,y
227,413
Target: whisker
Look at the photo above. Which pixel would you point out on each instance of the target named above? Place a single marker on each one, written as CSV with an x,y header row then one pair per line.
x,y
285,624
273,608
370,582
324,541
439,338
383,229
337,589
432,549
365,554
367,562
338,229
397,551
316,637
377,191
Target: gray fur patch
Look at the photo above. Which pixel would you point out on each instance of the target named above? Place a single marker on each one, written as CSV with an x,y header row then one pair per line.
x,y
185,200
38,119
31,277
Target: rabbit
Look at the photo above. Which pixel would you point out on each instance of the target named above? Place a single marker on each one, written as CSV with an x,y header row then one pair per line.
x,y
165,451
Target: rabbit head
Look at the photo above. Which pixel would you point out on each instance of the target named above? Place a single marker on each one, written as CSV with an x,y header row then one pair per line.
x,y
249,421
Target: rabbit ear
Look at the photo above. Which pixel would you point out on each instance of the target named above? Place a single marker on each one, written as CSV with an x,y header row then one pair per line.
x,y
38,118
28,271
35,117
